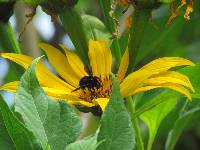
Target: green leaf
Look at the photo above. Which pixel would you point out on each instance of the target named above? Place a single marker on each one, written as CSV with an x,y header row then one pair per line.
x,y
162,39
73,25
192,72
13,135
5,141
179,126
116,130
50,121
95,29
153,118
88,143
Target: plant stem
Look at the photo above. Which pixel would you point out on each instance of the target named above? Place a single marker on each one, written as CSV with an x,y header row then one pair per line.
x,y
131,108
109,22
139,21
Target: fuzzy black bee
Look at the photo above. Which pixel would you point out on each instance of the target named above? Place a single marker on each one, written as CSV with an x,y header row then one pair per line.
x,y
89,82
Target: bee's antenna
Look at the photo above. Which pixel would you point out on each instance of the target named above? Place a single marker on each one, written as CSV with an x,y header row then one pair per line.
x,y
76,89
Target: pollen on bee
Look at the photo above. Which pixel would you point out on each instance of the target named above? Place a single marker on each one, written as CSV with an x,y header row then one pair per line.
x,y
104,91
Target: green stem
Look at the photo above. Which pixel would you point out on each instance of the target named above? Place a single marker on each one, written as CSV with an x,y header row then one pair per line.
x,y
109,22
131,108
73,25
8,43
7,38
139,22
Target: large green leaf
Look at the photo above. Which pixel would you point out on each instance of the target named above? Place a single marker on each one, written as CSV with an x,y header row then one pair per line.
x,y
153,118
13,134
88,143
5,141
179,126
50,121
116,130
95,29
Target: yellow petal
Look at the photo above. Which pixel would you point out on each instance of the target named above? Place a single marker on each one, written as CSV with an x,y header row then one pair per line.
x,y
123,66
61,64
102,102
75,62
163,64
45,77
11,86
170,77
133,81
172,86
100,58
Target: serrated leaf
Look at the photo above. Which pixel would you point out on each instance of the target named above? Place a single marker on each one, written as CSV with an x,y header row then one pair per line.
x,y
95,29
51,121
13,135
179,126
88,143
116,130
153,118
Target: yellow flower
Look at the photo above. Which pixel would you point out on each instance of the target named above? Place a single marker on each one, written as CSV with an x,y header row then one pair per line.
x,y
155,74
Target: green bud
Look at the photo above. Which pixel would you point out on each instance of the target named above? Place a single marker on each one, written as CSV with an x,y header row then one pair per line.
x,y
6,11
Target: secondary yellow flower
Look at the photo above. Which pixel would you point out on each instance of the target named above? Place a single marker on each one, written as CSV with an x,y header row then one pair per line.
x,y
74,89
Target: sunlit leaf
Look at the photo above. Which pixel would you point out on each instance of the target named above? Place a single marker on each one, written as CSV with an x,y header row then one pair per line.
x,y
153,118
88,143
13,134
50,121
116,131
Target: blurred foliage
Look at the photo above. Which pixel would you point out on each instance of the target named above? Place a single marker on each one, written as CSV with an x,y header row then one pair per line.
x,y
180,38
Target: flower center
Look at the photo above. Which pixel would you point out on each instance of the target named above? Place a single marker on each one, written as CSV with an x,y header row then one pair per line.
x,y
92,87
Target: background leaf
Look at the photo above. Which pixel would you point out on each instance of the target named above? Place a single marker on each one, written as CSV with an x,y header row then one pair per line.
x,y
179,126
95,29
192,72
51,121
153,118
116,129
13,135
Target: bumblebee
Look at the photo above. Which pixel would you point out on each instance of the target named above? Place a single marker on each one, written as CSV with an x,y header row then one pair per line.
x,y
90,82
